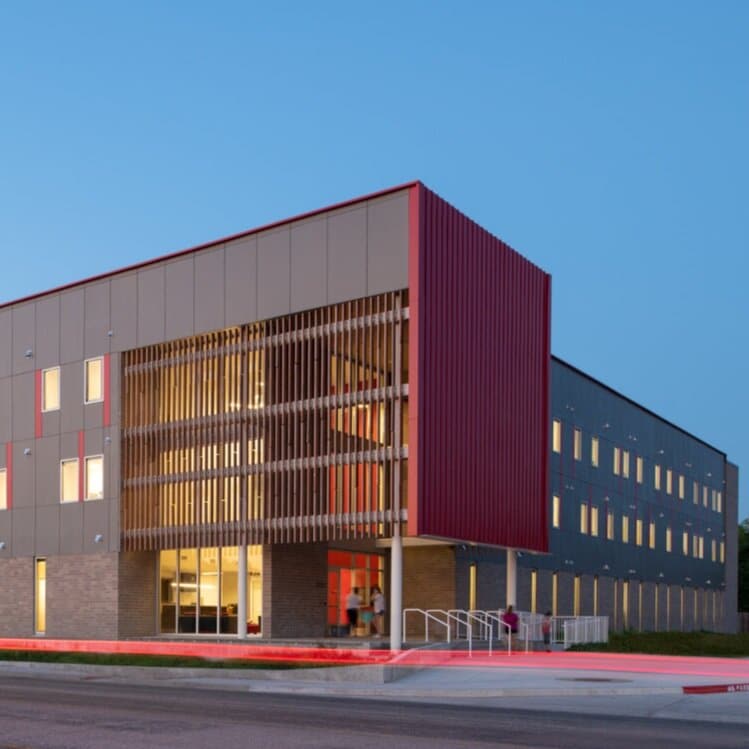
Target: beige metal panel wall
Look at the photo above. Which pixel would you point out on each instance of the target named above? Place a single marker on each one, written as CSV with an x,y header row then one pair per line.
x,y
46,464
387,243
47,531
347,254
23,475
209,290
47,346
97,305
6,536
95,523
71,397
6,412
6,341
72,325
309,283
124,318
151,305
241,281
180,281
23,532
93,413
23,407
23,337
273,273
71,528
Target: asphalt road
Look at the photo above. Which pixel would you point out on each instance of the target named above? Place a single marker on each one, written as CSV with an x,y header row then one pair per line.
x,y
37,713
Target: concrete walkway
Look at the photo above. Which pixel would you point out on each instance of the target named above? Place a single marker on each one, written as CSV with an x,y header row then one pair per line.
x,y
581,683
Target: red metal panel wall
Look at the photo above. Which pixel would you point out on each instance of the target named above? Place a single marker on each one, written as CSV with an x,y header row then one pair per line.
x,y
480,358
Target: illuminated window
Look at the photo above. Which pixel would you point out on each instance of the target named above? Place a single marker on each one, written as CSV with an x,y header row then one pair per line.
x,y
685,543
576,596
638,531
4,490
555,510
556,436
657,477
625,529
713,550
651,534
669,481
51,389
94,477
720,502
625,603
696,493
554,593
617,461
702,548
714,496
625,464
472,587
668,539
593,521
578,444
534,590
640,469
722,552
681,487
610,525
94,390
584,518
69,480
704,496
594,451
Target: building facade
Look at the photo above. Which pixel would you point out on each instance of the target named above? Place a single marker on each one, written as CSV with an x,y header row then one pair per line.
x,y
226,440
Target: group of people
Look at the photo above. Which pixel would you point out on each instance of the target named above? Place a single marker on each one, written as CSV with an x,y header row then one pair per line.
x,y
511,620
354,604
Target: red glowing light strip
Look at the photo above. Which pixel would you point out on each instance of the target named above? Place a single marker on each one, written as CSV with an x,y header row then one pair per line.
x,y
716,688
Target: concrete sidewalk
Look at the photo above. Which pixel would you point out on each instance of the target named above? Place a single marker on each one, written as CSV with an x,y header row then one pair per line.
x,y
581,683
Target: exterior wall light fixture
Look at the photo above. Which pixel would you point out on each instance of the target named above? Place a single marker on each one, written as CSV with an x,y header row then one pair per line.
x,y
27,451
98,538
28,353
2,545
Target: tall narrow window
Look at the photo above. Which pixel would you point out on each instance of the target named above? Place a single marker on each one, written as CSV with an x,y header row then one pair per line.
x,y
714,494
51,389
94,390
638,531
639,605
657,477
625,603
534,590
625,529
682,490
593,521
583,517
554,592
669,481
617,461
472,587
651,534
594,452
578,444
722,552
713,551
720,502
595,595
696,493
69,480
555,510
704,496
702,547
576,596
695,546
685,543
4,489
625,463
656,608
610,525
94,477
668,539
556,436
40,596
640,469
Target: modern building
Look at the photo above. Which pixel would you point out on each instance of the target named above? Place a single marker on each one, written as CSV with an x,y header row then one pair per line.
x,y
226,440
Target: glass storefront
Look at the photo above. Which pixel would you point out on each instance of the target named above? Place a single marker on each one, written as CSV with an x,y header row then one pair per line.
x,y
348,570
199,591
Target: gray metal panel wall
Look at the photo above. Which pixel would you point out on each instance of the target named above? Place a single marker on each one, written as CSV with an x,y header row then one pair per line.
x,y
309,282
347,254
180,301
274,273
72,321
209,290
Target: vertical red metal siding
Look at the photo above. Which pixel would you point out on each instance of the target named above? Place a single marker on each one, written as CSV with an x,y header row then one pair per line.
x,y
479,383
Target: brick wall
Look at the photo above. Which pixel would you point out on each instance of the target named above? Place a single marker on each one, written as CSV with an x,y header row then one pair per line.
x,y
428,583
295,588
17,597
137,594
82,596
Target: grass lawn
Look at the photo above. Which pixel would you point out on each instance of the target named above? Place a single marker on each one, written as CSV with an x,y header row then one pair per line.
x,y
673,643
124,659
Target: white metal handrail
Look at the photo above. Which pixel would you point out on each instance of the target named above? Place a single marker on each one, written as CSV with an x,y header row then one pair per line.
x,y
470,617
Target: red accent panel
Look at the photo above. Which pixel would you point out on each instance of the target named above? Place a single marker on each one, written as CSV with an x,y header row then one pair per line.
x,y
81,449
415,282
9,473
38,403
107,390
482,385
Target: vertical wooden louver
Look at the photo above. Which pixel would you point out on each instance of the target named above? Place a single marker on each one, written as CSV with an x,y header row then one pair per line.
x,y
291,429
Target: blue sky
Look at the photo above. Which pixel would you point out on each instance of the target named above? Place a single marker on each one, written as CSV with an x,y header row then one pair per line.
x,y
607,142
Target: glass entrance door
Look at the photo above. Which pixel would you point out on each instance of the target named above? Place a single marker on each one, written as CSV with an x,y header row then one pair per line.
x,y
347,571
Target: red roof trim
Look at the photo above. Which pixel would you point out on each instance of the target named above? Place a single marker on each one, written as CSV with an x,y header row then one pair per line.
x,y
213,243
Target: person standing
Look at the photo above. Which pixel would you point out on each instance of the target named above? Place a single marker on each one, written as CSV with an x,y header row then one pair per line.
x,y
378,606
546,631
353,604
510,619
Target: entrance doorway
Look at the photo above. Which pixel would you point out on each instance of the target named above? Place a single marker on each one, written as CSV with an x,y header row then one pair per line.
x,y
348,570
